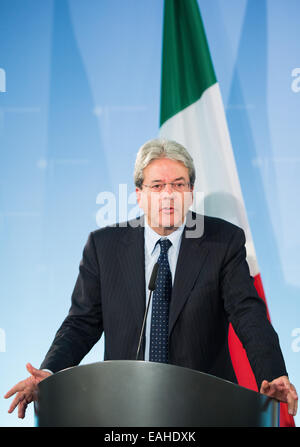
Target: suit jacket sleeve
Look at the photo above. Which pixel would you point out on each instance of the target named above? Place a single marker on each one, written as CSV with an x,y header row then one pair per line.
x,y
83,326
247,313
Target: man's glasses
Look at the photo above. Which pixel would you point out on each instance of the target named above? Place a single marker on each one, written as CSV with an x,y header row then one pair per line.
x,y
176,186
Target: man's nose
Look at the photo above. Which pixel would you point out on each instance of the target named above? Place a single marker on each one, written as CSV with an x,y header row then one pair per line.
x,y
168,190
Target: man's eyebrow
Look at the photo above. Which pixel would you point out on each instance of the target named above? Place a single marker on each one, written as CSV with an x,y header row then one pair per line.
x,y
175,180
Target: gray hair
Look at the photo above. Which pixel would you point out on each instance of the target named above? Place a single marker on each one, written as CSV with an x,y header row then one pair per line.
x,y
161,148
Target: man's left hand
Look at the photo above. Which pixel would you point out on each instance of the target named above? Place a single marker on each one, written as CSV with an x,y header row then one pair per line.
x,y
283,390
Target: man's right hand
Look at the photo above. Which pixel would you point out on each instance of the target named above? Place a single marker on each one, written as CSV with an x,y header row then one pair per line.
x,y
26,390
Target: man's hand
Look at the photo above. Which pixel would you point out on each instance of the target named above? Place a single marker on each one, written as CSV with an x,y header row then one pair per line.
x,y
282,390
26,390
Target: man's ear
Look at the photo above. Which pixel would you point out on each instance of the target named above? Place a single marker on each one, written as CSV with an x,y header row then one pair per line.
x,y
138,192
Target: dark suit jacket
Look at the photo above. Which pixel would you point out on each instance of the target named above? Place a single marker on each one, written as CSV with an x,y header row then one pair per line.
x,y
212,287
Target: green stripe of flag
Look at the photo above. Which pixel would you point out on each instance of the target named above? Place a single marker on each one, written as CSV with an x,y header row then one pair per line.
x,y
187,69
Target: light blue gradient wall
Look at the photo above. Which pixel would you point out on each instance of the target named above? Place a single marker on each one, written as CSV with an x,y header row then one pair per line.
x,y
82,94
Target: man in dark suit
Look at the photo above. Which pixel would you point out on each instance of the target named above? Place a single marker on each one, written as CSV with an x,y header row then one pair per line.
x,y
209,284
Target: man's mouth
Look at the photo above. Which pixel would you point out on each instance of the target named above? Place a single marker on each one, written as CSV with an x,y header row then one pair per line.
x,y
167,209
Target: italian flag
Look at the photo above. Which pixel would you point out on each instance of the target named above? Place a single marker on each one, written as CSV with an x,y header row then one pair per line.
x,y
192,113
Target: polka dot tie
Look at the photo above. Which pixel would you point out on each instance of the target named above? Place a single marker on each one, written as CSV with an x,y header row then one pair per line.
x,y
160,307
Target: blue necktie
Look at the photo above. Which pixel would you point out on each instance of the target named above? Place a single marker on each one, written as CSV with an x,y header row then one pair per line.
x,y
160,307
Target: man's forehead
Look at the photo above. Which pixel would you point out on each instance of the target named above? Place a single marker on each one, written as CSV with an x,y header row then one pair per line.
x,y
165,167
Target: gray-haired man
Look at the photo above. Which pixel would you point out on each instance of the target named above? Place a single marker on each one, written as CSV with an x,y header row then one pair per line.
x,y
210,287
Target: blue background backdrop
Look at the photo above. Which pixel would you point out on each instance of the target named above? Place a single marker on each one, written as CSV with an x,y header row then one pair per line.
x,y
82,94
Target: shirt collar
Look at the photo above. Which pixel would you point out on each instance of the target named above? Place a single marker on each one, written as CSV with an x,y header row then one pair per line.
x,y
151,237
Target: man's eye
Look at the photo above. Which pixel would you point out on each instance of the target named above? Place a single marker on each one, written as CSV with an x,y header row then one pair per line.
x,y
179,185
156,187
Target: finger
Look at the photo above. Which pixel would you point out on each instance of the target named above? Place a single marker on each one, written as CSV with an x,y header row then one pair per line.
x,y
22,409
284,387
291,404
265,386
274,391
292,401
296,400
19,397
31,368
270,390
278,387
37,373
18,387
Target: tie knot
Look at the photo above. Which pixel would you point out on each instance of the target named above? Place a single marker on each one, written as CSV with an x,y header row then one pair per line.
x,y
165,244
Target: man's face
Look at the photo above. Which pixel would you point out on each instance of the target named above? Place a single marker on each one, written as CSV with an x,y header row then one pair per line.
x,y
165,210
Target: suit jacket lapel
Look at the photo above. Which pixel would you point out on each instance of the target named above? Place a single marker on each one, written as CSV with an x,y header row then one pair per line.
x,y
191,258
131,258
